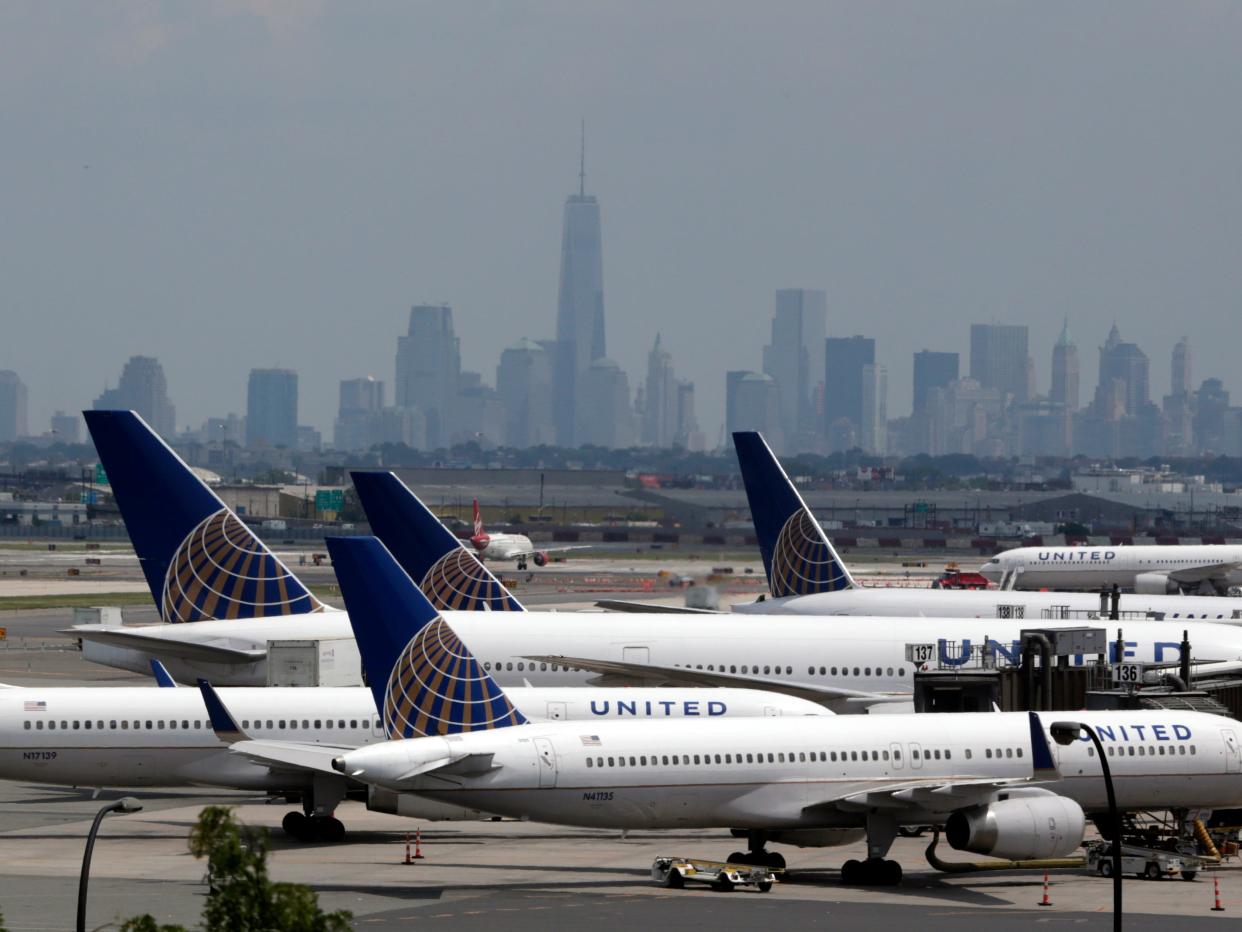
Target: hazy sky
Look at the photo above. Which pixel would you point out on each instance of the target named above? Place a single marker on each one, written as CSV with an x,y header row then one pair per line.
x,y
245,184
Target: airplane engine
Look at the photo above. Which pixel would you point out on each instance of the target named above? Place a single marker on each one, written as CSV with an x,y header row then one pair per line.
x,y
541,559
818,837
418,807
1155,584
1019,829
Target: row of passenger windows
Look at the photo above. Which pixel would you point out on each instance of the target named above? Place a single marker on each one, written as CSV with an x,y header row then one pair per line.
x,y
520,666
1162,750
799,757
777,670
187,725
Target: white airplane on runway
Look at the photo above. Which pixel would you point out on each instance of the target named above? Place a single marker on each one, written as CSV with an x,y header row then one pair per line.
x,y
991,779
807,576
517,547
1149,569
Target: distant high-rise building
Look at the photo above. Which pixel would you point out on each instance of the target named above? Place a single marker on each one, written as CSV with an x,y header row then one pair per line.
x,y
580,303
144,389
357,424
753,404
844,359
1181,367
1065,370
12,407
480,414
874,433
605,390
66,428
272,408
660,398
932,370
688,436
429,370
998,358
1124,377
794,359
524,383
229,429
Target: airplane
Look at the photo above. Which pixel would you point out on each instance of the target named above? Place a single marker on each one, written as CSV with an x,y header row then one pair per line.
x,y
517,547
1152,569
144,736
806,575
992,780
846,668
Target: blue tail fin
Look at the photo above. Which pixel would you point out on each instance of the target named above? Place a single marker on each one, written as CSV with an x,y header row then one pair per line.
x,y
424,679
200,560
449,575
797,555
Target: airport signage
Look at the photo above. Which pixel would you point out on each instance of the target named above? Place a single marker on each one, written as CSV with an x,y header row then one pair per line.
x,y
101,477
1128,674
920,653
330,500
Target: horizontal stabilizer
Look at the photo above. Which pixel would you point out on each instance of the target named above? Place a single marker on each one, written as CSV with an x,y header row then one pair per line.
x,y
165,647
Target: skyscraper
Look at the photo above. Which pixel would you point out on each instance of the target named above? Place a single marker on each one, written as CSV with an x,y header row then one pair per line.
x,y
604,389
932,370
844,359
1182,360
357,424
874,433
752,404
524,382
580,302
794,358
144,389
12,407
998,358
429,370
1064,388
272,408
1124,375
67,428
660,398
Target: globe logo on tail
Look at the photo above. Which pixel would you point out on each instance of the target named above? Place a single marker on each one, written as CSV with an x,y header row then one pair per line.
x,y
458,581
222,571
438,688
802,562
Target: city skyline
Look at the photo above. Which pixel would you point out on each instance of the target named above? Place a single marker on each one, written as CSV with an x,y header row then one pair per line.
x,y
267,219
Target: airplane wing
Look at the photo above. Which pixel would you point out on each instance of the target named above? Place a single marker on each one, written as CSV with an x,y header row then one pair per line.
x,y
653,674
1190,575
945,795
165,647
651,608
553,548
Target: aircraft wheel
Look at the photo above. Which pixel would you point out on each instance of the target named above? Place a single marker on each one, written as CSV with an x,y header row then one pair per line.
x,y
851,871
890,873
774,860
331,830
737,857
293,824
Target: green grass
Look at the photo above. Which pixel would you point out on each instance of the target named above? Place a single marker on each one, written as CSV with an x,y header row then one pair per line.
x,y
83,600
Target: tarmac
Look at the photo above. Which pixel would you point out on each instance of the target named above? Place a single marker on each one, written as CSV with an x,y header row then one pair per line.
x,y
476,875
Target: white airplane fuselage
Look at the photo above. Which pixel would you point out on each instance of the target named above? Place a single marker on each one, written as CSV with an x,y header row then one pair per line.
x,y
867,656
991,603
145,736
1152,568
789,775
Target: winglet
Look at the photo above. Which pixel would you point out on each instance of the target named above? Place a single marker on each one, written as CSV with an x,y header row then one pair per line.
x,y
222,721
447,573
797,555
1043,761
162,677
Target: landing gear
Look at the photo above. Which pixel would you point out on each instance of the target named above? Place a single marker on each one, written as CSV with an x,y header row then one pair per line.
x,y
758,855
876,870
313,828
873,872
316,822
521,563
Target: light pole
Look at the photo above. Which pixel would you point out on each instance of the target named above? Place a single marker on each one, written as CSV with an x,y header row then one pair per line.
x,y
125,804
1066,733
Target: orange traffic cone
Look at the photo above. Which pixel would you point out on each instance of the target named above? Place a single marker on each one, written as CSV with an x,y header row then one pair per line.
x,y
418,844
408,859
1045,901
1216,895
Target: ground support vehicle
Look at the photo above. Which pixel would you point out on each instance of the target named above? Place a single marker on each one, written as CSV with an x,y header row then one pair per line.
x,y
1147,863
673,872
